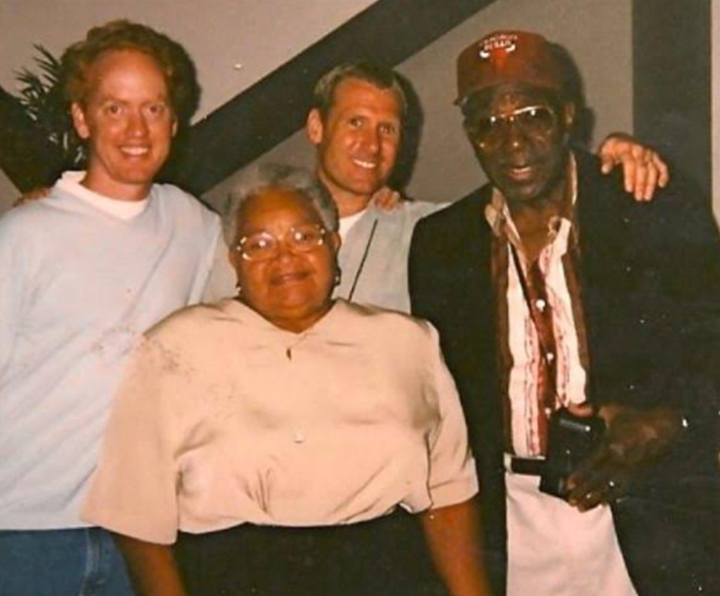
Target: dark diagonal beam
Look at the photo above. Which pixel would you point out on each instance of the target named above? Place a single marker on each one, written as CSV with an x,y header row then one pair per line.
x,y
252,123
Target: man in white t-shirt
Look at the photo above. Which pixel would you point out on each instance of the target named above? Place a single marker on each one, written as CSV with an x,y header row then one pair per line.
x,y
84,272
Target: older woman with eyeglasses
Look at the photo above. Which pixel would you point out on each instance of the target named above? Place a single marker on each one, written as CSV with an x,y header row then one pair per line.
x,y
283,438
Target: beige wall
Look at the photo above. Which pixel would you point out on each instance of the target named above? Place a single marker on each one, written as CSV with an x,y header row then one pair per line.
x,y
597,32
233,42
237,42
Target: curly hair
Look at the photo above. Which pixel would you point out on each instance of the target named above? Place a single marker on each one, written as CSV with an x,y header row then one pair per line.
x,y
371,72
171,57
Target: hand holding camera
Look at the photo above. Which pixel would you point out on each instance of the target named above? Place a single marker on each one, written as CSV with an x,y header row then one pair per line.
x,y
574,435
633,439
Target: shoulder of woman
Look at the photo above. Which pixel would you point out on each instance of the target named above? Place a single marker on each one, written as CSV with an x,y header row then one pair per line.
x,y
181,323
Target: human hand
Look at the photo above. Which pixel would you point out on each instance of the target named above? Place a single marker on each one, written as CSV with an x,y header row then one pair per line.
x,y
387,199
32,195
643,169
634,438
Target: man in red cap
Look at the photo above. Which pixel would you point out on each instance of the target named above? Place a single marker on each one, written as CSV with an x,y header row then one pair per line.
x,y
565,307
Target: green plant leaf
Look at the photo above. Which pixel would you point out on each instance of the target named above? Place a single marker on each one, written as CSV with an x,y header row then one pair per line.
x,y
41,96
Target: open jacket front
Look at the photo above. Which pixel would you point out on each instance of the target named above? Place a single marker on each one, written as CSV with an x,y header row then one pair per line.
x,y
650,288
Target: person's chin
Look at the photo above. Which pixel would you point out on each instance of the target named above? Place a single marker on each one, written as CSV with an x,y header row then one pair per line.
x,y
368,181
366,187
292,291
299,307
140,173
520,192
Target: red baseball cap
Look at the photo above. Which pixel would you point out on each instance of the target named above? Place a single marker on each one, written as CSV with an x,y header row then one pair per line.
x,y
508,57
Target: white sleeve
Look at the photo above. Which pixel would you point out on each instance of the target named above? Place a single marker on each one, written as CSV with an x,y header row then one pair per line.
x,y
221,281
453,478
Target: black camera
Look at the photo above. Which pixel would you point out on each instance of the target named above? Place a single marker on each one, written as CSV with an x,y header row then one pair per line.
x,y
570,440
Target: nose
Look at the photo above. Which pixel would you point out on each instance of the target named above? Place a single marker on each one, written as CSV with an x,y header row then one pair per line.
x,y
371,139
283,251
515,136
137,125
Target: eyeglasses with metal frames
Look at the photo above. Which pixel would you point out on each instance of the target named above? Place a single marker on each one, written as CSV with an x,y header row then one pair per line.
x,y
298,239
489,130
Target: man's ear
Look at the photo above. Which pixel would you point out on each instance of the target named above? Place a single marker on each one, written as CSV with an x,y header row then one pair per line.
x,y
569,112
314,126
79,122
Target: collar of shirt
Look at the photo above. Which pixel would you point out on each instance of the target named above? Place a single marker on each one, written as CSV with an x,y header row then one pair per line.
x,y
71,181
347,223
324,326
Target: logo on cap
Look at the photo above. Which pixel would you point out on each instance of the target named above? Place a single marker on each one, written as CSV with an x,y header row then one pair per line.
x,y
503,42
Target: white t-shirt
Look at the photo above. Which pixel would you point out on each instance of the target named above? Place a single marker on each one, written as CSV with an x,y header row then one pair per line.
x,y
346,223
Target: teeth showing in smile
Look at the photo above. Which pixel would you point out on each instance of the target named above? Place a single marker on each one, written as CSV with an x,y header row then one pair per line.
x,y
520,171
368,165
135,151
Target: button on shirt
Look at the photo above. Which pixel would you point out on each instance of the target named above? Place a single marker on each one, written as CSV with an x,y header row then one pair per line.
x,y
223,419
521,341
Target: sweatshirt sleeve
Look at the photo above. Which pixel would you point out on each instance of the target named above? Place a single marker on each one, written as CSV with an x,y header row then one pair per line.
x,y
16,270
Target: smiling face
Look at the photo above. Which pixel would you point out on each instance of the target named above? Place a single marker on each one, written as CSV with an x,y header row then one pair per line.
x,y
519,134
357,142
291,289
128,124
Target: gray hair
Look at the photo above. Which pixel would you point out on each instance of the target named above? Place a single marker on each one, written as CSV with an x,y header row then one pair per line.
x,y
299,180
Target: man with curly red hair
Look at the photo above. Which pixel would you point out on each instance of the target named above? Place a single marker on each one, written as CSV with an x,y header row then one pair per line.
x,y
86,270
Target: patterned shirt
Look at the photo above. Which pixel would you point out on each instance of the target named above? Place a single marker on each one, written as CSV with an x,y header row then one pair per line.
x,y
520,350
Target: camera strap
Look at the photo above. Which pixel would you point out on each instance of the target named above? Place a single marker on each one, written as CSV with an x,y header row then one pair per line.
x,y
361,266
536,298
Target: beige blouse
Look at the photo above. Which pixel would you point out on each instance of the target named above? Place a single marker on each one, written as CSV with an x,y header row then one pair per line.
x,y
224,419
